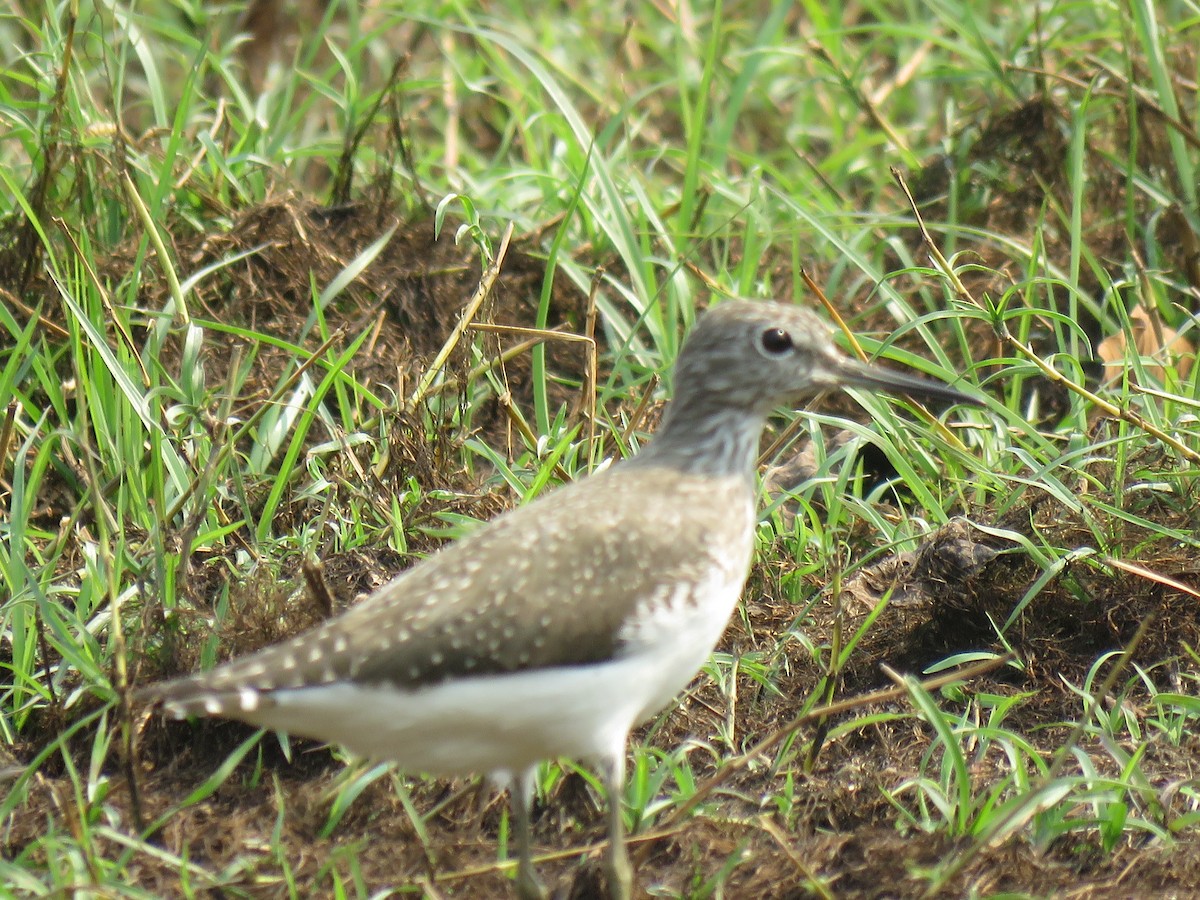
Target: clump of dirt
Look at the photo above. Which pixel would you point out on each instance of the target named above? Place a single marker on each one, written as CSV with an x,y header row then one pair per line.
x,y
964,583
969,586
1008,177
1002,169
410,295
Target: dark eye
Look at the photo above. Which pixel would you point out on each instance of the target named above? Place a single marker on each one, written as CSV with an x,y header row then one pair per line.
x,y
776,341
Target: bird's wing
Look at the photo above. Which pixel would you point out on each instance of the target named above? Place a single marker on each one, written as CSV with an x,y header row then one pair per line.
x,y
548,584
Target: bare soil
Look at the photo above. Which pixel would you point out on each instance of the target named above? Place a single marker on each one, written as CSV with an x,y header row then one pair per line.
x,y
840,830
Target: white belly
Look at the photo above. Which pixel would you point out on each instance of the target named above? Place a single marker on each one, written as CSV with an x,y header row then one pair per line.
x,y
510,722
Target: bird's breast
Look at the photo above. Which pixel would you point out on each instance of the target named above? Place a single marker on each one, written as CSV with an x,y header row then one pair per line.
x,y
675,629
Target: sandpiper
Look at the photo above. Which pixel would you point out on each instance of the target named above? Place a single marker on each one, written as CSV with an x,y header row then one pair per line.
x,y
556,628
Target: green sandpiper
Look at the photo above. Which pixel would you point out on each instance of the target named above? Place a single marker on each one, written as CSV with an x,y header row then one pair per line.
x,y
555,629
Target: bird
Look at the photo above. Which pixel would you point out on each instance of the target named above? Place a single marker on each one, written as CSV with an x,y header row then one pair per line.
x,y
555,629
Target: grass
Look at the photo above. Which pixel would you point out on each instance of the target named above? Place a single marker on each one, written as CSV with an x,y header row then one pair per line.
x,y
227,349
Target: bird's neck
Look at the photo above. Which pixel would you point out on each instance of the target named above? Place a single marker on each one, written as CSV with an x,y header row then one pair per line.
x,y
703,438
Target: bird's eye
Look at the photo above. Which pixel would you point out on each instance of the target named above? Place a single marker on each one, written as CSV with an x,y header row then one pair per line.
x,y
776,341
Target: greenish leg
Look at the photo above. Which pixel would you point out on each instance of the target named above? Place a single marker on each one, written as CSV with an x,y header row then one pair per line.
x,y
520,790
616,865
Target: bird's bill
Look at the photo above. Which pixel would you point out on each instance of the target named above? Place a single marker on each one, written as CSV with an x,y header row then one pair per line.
x,y
850,373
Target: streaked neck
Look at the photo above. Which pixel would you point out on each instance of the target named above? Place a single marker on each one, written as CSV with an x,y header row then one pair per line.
x,y
700,437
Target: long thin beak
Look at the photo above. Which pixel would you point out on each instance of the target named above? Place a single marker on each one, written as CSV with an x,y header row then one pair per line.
x,y
850,373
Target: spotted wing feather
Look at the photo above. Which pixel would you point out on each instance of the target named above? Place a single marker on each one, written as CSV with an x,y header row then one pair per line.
x,y
548,584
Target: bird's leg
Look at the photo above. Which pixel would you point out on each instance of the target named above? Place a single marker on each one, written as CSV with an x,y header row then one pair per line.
x,y
520,789
616,864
